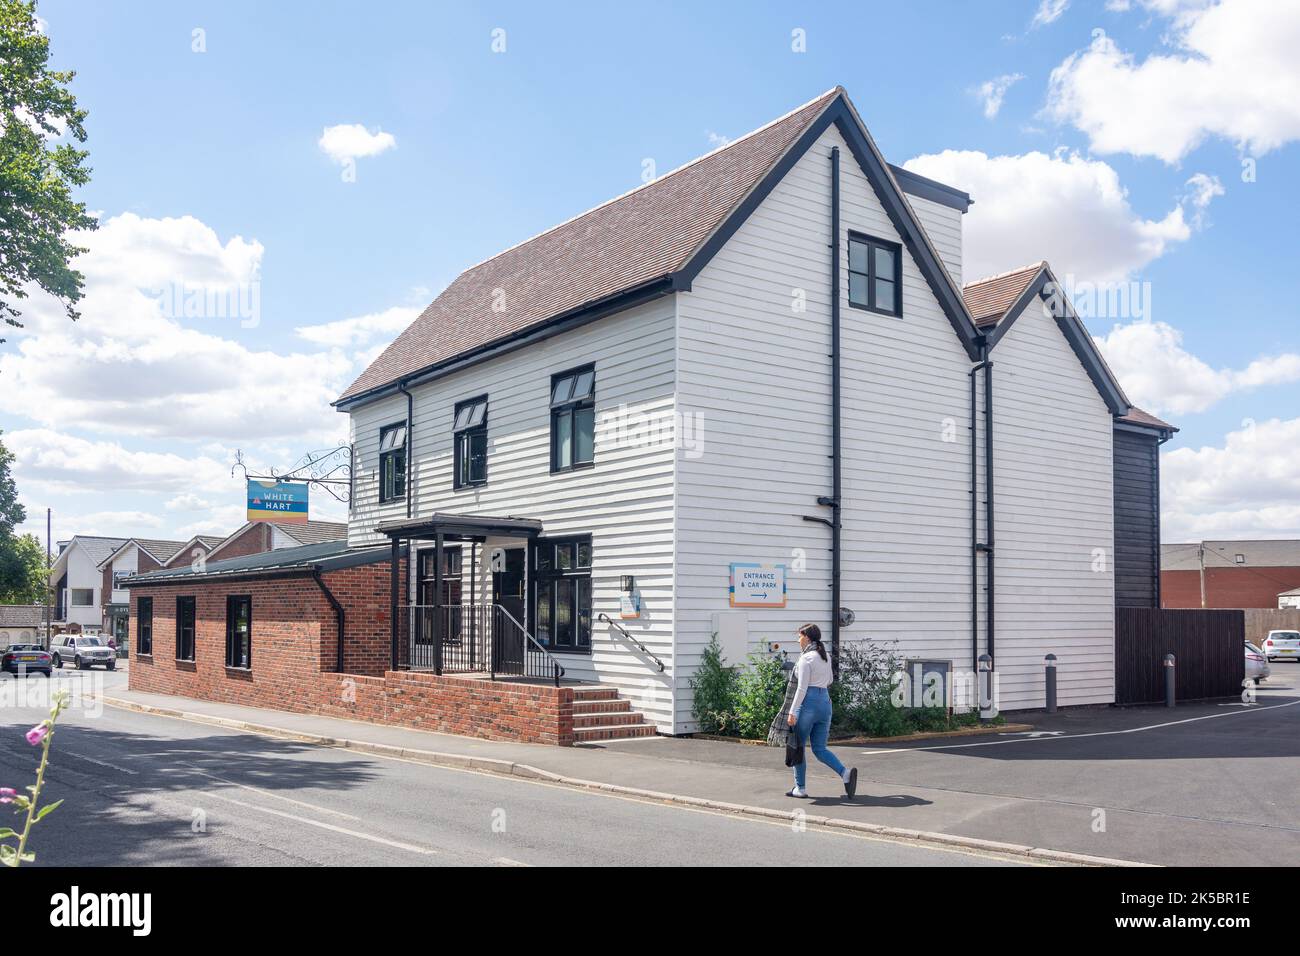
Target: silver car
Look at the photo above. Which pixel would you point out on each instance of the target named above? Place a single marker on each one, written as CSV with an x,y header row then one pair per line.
x,y
82,652
1256,664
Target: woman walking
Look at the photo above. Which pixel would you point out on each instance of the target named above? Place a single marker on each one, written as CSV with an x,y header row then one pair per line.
x,y
810,714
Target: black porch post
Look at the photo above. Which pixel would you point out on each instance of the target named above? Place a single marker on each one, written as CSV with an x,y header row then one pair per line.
x,y
437,603
393,586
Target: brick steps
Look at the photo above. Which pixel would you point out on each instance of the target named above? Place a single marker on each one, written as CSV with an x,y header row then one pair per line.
x,y
599,714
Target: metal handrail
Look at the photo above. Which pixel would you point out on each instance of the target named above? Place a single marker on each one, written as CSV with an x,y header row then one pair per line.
x,y
628,634
547,656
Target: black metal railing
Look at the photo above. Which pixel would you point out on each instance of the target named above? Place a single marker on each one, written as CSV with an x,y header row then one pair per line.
x,y
473,639
629,637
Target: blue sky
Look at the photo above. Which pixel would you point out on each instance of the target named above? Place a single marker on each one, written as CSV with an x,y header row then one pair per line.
x,y
492,147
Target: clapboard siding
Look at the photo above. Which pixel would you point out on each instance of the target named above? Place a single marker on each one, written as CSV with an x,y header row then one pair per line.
x,y
1053,476
758,371
625,502
943,226
1137,519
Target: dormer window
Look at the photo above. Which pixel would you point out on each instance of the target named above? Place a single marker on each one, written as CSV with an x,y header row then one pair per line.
x,y
875,275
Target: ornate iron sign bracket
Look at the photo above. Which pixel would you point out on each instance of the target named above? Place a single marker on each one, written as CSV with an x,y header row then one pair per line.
x,y
327,469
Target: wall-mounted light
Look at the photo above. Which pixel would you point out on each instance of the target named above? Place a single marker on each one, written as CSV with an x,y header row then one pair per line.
x,y
627,583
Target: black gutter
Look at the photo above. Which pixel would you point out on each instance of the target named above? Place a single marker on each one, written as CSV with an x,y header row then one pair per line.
x,y
410,446
339,614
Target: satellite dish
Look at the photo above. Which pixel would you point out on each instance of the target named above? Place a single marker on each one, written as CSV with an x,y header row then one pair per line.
x,y
847,617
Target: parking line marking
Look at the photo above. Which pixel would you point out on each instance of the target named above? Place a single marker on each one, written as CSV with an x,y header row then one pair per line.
x,y
1094,733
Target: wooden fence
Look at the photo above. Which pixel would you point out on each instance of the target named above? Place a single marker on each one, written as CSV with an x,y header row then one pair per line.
x,y
1207,646
1261,620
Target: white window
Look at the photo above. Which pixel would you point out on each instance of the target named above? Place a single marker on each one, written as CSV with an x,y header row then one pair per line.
x,y
83,597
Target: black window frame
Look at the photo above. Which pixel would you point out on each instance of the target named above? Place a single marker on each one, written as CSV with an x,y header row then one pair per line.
x,y
192,603
144,627
551,581
385,493
232,656
464,436
871,275
569,408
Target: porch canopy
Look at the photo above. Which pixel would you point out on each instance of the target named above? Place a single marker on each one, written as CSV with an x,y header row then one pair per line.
x,y
440,528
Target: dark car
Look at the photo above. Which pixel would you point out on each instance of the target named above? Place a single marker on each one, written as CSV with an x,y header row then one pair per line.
x,y
25,658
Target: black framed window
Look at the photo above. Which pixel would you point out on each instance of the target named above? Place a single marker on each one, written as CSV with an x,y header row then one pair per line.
x,y
469,432
573,419
392,462
563,593
144,625
875,275
239,631
185,628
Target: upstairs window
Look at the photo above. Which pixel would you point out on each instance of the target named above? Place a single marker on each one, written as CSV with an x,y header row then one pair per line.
x,y
392,462
83,597
875,275
469,432
573,419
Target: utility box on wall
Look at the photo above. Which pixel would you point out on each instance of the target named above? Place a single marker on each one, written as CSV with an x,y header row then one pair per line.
x,y
732,628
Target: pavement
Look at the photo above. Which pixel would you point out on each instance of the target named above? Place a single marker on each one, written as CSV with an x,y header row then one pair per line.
x,y
1200,785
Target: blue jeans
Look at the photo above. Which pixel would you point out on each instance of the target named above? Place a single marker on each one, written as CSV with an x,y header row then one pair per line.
x,y
813,725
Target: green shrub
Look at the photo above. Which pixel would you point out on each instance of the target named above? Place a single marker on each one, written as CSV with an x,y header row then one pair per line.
x,y
714,691
760,691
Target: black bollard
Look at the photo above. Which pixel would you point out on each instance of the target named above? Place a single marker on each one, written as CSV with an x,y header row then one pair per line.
x,y
1050,666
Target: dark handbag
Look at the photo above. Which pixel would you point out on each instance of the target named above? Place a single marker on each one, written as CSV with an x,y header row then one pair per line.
x,y
793,748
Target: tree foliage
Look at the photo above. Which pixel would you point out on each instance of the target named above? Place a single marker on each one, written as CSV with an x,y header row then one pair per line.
x,y
40,165
23,573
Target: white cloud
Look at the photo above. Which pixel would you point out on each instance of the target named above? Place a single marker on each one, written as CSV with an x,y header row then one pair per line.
x,y
132,365
1232,73
1162,376
992,92
1248,487
717,140
68,463
1065,208
1049,11
352,141
360,331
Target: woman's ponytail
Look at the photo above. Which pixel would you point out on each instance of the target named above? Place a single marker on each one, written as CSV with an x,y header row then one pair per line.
x,y
814,634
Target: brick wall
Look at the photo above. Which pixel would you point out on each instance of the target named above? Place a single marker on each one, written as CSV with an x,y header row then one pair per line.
x,y
294,658
1235,587
255,539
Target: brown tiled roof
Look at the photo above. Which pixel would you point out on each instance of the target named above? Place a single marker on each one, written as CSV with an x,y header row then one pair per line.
x,y
1137,416
314,532
988,299
639,237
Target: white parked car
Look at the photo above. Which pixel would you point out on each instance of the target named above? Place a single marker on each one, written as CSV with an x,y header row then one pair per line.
x,y
1256,664
1282,646
82,652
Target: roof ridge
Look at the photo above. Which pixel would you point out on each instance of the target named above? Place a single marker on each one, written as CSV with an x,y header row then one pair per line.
x,y
657,180
1040,264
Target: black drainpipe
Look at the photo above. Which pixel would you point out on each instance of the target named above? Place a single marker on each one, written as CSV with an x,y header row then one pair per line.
x,y
339,615
988,503
836,524
410,448
975,547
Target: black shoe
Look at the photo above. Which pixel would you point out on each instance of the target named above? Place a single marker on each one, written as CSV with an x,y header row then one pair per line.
x,y
851,785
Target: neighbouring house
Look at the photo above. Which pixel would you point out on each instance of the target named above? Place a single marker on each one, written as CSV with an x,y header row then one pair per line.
x,y
132,556
78,582
256,537
1229,574
1289,599
739,398
22,624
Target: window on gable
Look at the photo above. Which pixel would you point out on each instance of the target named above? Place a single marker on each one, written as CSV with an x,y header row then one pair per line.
x,y
392,462
875,275
573,419
469,432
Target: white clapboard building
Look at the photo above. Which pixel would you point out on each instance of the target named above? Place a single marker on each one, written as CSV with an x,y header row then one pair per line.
x,y
744,394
